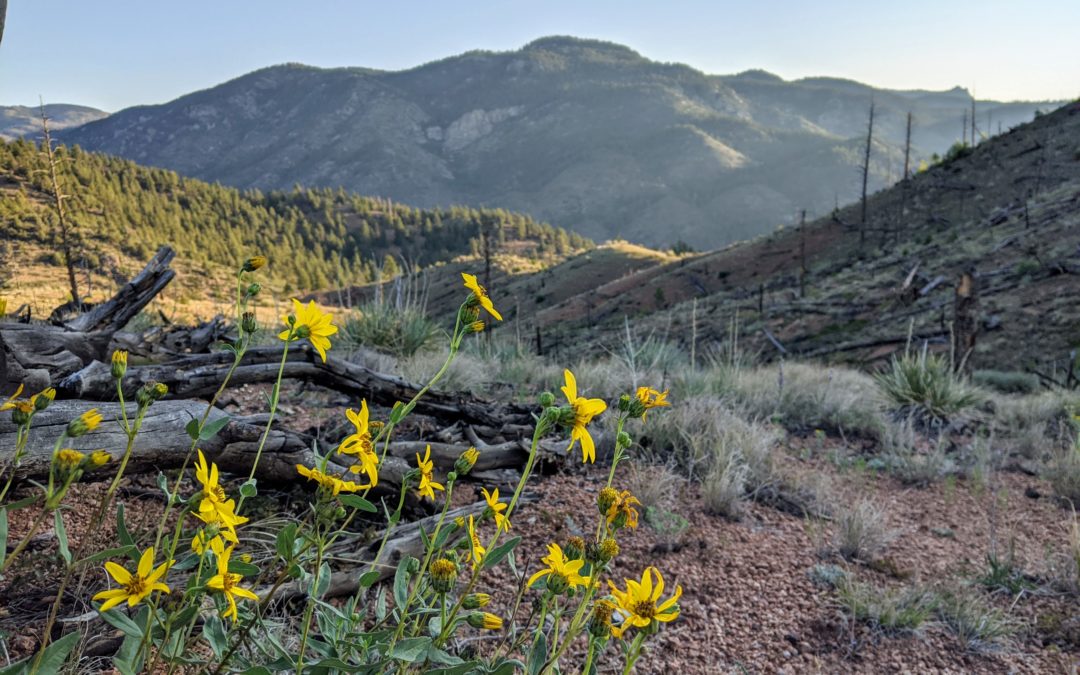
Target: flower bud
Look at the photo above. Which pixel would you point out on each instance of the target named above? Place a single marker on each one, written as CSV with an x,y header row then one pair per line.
x,y
624,403
254,263
150,392
43,399
609,548
248,324
84,423
557,583
605,499
624,440
476,600
119,364
20,415
99,458
466,461
600,620
303,332
485,620
253,289
476,326
245,558
547,399
444,573
574,549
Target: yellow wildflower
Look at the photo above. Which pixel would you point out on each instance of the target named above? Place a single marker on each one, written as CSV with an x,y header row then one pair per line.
x,y
331,484
584,410
134,587
476,601
309,322
651,398
119,363
84,423
359,444
254,263
444,573
99,458
43,399
496,508
466,461
561,573
215,506
9,403
637,605
481,295
485,620
622,513
227,582
427,470
477,551
67,460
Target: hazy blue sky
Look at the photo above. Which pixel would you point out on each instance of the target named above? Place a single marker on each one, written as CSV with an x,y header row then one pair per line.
x,y
116,53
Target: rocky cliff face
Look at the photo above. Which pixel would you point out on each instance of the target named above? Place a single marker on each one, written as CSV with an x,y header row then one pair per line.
x,y
584,134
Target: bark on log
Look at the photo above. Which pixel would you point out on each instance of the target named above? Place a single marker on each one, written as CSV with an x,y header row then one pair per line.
x,y
163,444
200,375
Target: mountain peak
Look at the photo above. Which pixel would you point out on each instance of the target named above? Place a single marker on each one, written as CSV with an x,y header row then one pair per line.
x,y
569,45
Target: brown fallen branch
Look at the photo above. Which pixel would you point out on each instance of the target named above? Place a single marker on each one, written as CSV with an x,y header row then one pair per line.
x,y
200,375
113,314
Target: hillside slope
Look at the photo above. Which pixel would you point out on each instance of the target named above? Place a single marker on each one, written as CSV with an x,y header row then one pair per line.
x,y
314,238
17,121
589,135
1008,210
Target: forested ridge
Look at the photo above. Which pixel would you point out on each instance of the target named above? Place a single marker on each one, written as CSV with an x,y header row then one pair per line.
x,y
317,238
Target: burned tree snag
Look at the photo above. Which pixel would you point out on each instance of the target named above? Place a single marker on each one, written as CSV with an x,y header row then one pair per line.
x,y
965,321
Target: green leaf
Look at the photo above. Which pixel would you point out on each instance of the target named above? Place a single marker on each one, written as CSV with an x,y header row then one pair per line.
x,y
357,502
411,649
436,655
322,583
192,429
17,668
118,619
211,429
401,582
538,655
242,568
56,653
368,579
61,536
445,533
24,502
214,632
248,489
495,555
122,532
380,605
106,554
286,541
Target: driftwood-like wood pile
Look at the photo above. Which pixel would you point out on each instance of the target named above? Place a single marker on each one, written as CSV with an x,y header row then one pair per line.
x,y
73,356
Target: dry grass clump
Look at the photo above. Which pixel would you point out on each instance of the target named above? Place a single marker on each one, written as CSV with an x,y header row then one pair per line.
x,y
1064,474
861,530
979,626
655,485
1033,426
892,612
467,372
903,458
806,396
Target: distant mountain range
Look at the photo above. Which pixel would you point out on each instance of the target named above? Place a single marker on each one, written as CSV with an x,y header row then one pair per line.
x,y
17,121
587,135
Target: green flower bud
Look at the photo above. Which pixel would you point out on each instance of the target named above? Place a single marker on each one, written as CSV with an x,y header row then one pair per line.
x,y
547,399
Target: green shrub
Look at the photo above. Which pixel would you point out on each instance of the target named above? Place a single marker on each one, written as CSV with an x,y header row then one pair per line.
x,y
924,385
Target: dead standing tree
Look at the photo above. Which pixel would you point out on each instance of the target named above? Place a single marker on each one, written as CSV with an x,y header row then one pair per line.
x,y
64,227
965,323
865,179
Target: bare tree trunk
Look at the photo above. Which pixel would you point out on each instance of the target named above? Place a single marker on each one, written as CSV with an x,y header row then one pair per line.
x,y
965,324
866,178
3,13
802,254
907,148
66,236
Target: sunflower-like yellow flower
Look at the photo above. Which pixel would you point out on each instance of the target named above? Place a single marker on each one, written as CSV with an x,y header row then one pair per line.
x,y
584,410
225,582
637,605
481,295
204,539
67,460
254,263
651,398
134,587
10,401
331,484
622,513
496,508
476,549
310,323
215,508
427,471
99,458
561,573
359,445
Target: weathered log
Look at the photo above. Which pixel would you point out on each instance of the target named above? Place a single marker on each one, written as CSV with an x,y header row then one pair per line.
x,y
163,444
113,314
200,375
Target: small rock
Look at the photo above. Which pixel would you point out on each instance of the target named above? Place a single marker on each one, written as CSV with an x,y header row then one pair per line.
x,y
1032,493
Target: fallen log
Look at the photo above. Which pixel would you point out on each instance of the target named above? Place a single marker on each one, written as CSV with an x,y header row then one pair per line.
x,y
113,314
163,444
200,375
